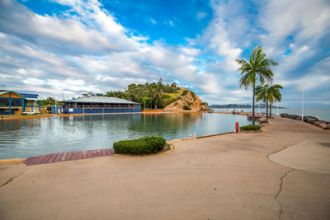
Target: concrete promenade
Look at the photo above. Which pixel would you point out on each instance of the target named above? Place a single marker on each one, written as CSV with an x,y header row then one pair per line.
x,y
280,173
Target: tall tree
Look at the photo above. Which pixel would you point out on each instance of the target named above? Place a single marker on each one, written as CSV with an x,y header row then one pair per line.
x,y
258,67
274,95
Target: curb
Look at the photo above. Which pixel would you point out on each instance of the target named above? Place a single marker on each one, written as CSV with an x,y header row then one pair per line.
x,y
11,161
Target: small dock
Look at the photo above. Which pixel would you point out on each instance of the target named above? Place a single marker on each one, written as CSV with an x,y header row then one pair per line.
x,y
66,156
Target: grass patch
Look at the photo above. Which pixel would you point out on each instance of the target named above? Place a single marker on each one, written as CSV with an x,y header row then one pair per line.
x,y
250,128
170,98
140,146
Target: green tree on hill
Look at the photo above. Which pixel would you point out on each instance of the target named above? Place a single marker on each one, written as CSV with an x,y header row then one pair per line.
x,y
48,101
150,95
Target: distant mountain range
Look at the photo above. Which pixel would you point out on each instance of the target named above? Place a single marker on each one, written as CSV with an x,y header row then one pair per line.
x,y
240,106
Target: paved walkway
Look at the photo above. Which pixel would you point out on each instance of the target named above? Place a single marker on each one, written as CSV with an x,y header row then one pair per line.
x,y
223,177
311,155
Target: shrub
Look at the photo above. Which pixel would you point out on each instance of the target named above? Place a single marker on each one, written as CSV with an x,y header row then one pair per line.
x,y
186,107
145,145
184,92
250,128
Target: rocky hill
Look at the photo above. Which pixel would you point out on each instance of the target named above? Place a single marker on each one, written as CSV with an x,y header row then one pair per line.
x,y
187,102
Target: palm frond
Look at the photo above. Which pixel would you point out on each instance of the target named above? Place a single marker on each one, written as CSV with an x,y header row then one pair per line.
x,y
275,93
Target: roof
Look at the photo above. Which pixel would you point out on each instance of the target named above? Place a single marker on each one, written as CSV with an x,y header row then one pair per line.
x,y
8,91
100,99
25,95
29,95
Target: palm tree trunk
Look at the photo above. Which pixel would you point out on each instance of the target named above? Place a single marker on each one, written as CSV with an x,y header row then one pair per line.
x,y
270,109
253,101
266,103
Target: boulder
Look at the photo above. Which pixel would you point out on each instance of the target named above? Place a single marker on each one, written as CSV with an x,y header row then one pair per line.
x,y
310,118
294,117
321,124
298,118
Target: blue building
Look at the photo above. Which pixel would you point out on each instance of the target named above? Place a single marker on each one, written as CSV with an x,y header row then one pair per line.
x,y
99,105
12,102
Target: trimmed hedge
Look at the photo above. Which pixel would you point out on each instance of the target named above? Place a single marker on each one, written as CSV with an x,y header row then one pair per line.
x,y
250,128
145,145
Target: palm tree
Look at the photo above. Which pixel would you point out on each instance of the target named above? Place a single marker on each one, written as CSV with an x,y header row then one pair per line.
x,y
274,95
262,93
269,94
257,67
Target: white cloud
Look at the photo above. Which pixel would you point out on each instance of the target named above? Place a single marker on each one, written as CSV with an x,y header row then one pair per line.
x,y
89,31
94,48
289,62
296,35
304,21
153,21
312,23
201,15
218,37
169,23
168,60
34,81
190,51
209,84
314,78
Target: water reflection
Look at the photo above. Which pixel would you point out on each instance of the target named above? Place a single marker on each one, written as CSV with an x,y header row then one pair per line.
x,y
166,123
23,138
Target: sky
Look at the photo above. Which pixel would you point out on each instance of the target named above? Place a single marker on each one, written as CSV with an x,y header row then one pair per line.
x,y
63,48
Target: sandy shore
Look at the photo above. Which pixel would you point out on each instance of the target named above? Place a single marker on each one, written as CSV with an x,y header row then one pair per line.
x,y
281,173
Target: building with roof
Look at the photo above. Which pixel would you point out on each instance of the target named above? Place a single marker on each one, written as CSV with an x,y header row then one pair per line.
x,y
12,102
99,105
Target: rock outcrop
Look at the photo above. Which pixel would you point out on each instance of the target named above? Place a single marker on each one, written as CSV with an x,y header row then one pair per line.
x,y
187,102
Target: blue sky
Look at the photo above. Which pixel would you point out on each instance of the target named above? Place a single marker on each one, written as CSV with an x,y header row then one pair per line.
x,y
69,47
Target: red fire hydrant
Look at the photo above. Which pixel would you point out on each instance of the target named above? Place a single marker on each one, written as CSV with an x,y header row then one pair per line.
x,y
237,127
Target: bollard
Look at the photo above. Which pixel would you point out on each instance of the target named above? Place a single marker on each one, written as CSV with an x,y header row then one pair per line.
x,y
237,127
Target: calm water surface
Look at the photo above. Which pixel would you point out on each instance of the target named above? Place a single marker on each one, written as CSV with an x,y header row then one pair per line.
x,y
25,138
